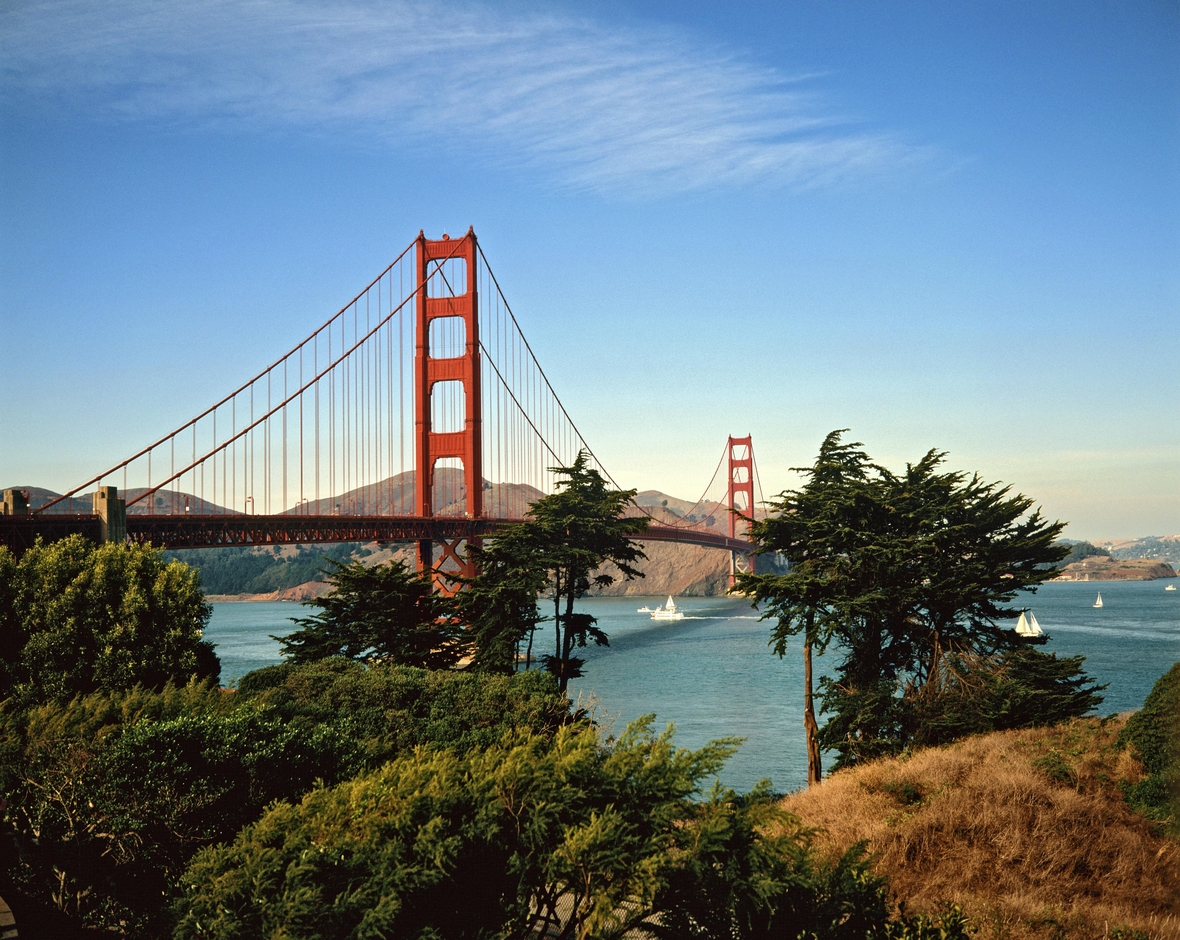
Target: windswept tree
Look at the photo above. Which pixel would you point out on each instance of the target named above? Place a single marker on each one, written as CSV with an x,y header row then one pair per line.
x,y
380,613
911,574
813,527
568,537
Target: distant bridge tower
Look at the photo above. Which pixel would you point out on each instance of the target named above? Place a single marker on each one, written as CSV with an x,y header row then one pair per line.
x,y
437,275
740,451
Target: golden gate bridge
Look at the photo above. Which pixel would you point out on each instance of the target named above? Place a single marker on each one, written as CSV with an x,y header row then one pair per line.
x,y
418,413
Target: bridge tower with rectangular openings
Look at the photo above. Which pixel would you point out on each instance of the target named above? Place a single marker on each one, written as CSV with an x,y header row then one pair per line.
x,y
446,289
740,454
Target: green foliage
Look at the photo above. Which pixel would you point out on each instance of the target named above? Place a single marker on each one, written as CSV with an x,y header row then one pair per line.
x,y
384,612
260,570
1154,734
972,694
1080,550
389,710
949,924
535,834
569,535
499,605
904,571
77,618
109,796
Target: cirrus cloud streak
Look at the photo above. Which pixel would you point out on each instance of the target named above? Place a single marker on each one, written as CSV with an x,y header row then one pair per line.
x,y
589,106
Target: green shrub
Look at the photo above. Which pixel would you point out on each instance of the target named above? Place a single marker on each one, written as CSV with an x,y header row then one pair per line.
x,y
1153,733
533,833
109,795
108,804
395,708
78,618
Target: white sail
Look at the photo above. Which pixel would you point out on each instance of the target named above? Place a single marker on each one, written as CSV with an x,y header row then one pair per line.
x,y
667,612
1034,628
1022,625
1098,603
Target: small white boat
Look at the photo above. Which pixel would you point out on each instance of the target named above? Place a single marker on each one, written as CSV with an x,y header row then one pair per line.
x,y
1098,603
1028,626
1170,587
667,612
645,609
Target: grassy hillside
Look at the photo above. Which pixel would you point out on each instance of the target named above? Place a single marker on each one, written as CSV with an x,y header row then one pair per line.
x,y
1027,830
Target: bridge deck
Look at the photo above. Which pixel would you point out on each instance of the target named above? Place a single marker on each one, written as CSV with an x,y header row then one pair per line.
x,y
222,531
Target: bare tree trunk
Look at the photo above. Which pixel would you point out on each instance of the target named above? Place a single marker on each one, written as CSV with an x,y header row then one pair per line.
x,y
814,770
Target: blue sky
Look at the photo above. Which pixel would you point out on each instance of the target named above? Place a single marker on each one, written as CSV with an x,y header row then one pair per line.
x,y
948,225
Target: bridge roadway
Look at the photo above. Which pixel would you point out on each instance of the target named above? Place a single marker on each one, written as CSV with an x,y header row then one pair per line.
x,y
224,531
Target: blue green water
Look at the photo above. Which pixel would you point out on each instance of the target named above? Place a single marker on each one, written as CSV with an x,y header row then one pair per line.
x,y
713,675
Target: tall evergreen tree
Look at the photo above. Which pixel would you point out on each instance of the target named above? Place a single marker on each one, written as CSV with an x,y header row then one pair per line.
x,y
569,535
812,527
911,573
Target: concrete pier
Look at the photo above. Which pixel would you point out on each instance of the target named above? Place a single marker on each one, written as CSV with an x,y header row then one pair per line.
x,y
16,503
112,514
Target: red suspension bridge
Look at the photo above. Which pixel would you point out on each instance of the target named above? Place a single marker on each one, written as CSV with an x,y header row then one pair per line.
x,y
418,413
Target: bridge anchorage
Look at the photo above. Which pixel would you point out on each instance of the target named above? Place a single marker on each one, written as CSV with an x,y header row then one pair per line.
x,y
417,413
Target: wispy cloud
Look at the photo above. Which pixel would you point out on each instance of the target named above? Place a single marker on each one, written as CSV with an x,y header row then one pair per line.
x,y
590,105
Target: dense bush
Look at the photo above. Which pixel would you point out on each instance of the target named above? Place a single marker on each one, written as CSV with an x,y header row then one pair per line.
x,y
1154,734
109,795
390,709
1023,688
108,804
534,833
78,618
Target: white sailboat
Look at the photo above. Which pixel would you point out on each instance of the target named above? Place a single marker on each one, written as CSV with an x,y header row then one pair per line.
x,y
1098,603
667,612
1028,626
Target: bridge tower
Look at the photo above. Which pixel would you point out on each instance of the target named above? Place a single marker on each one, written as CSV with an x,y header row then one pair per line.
x,y
740,452
429,370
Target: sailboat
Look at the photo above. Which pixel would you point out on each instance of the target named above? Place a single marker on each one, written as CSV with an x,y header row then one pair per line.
x,y
1028,626
1098,603
667,612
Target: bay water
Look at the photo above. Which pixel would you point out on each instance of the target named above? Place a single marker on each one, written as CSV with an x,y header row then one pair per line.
x,y
713,675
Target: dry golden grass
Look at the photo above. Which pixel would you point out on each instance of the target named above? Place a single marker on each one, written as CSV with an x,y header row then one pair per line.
x,y
1027,830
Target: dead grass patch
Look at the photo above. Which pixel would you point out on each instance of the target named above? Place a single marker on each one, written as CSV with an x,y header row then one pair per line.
x,y
1027,830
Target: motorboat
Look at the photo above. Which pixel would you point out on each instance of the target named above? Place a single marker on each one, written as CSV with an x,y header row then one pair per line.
x,y
667,612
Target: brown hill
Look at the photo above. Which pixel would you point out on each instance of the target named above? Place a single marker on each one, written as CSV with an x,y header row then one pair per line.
x,y
395,496
1105,568
162,502
1027,830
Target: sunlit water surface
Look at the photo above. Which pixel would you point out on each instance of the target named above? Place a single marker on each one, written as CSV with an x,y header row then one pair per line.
x,y
713,675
